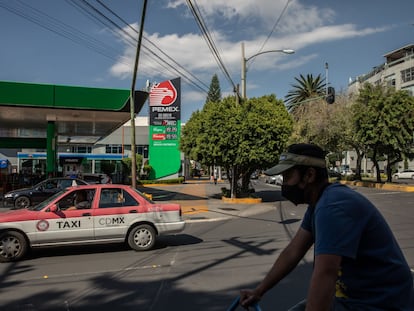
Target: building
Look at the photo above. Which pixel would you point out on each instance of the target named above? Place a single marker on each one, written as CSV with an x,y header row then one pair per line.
x,y
397,72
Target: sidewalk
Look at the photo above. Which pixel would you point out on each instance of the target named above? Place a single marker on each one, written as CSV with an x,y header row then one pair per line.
x,y
201,200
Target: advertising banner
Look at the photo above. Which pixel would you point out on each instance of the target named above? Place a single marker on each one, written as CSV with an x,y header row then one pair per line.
x,y
165,128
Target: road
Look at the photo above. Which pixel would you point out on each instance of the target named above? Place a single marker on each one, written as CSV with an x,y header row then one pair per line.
x,y
201,269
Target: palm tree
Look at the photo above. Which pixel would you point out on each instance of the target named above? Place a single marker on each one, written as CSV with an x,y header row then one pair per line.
x,y
305,89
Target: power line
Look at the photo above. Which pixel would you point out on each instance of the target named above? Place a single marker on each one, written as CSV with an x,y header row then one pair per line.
x,y
273,28
206,34
104,19
62,29
52,24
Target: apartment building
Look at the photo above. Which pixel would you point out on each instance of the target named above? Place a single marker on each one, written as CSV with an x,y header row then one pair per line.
x,y
397,71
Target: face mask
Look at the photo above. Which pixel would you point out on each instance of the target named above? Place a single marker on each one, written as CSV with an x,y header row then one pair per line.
x,y
294,194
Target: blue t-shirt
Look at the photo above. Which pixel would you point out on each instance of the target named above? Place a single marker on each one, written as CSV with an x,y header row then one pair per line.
x,y
374,274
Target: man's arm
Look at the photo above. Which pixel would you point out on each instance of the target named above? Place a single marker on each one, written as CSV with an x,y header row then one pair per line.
x,y
322,286
284,264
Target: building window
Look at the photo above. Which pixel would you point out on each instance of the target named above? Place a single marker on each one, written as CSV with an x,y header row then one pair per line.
x,y
84,149
113,149
78,149
407,75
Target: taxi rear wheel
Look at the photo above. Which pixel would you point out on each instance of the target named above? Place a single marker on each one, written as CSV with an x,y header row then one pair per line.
x,y
13,246
141,238
22,202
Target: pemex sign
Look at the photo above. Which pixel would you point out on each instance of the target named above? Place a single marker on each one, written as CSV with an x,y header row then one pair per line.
x,y
165,128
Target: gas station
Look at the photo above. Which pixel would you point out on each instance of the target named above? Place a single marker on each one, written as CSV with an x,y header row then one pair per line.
x,y
42,116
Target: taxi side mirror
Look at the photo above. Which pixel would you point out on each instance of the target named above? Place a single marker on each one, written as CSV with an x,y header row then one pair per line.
x,y
53,208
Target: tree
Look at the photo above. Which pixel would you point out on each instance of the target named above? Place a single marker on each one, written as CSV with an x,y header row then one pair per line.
x,y
214,92
323,124
126,163
384,123
248,137
305,89
107,167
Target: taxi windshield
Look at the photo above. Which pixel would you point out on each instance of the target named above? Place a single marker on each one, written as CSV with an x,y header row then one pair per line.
x,y
44,203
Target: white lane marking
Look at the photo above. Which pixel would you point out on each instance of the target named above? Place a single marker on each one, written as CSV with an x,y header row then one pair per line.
x,y
380,193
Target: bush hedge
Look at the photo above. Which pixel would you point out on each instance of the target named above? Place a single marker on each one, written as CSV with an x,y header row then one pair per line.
x,y
178,180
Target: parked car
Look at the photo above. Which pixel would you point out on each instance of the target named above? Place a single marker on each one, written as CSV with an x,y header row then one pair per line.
x,y
112,213
25,197
333,173
405,174
96,178
274,179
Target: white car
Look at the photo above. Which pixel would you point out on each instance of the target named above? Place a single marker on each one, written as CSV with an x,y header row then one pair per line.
x,y
275,179
108,213
405,174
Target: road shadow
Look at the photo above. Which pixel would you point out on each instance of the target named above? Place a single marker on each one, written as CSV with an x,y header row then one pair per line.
x,y
162,241
169,195
269,196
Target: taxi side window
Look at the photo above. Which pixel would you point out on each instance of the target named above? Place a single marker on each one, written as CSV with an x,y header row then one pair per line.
x,y
80,199
129,200
116,198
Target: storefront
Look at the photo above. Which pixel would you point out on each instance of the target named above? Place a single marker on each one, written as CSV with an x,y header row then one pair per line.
x,y
69,164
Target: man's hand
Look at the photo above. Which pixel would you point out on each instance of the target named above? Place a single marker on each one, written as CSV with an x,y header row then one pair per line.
x,y
248,297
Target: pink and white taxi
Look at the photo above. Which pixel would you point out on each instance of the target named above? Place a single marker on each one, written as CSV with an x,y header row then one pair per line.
x,y
90,214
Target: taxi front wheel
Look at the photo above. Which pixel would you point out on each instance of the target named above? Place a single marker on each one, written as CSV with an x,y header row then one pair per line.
x,y
142,237
13,246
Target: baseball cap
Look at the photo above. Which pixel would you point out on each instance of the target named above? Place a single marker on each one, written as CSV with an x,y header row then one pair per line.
x,y
299,154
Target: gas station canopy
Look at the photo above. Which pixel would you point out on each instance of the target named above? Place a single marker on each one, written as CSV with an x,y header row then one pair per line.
x,y
81,115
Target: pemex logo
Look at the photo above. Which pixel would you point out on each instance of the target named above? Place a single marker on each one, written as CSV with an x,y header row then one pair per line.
x,y
163,94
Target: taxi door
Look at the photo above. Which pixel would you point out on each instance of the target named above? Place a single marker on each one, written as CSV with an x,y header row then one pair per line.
x,y
65,225
115,211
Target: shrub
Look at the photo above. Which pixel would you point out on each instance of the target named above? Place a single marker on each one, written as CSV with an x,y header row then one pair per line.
x,y
178,180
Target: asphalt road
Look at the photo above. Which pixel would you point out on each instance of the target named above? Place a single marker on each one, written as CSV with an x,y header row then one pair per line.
x,y
201,269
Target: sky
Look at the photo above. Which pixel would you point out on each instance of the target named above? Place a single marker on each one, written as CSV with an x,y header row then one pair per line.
x,y
69,42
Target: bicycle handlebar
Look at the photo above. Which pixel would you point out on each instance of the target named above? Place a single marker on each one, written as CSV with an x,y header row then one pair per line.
x,y
235,304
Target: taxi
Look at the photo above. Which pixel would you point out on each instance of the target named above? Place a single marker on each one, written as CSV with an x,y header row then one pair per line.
x,y
88,214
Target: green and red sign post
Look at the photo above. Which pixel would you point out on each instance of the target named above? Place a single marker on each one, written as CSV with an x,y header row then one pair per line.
x,y
165,129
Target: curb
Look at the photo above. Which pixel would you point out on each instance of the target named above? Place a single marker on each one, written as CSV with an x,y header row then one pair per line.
x,y
242,200
382,186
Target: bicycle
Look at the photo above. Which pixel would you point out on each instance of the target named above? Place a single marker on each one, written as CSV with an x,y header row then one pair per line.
x,y
235,304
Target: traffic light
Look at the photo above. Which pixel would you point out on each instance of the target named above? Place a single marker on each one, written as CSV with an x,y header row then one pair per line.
x,y
330,97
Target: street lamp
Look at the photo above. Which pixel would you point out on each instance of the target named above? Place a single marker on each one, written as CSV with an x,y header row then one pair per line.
x,y
245,60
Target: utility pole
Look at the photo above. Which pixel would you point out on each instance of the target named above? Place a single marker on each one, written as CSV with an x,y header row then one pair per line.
x,y
244,61
132,101
243,71
326,78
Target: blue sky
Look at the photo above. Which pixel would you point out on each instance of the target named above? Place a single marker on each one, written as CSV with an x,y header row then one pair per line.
x,y
351,36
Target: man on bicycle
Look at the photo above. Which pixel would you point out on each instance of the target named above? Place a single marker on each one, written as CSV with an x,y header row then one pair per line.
x,y
358,264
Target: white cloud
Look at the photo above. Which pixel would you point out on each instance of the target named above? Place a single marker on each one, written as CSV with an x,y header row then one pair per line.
x,y
302,26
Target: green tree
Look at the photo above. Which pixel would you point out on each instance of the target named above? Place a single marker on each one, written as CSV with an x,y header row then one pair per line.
x,y
245,137
214,92
324,125
126,164
306,89
384,123
107,167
